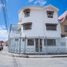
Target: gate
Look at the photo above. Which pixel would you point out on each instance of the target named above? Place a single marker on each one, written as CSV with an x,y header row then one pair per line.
x,y
15,39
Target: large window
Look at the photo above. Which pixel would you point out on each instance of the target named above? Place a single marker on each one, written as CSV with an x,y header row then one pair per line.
x,y
51,26
49,42
30,42
50,14
27,12
27,26
65,28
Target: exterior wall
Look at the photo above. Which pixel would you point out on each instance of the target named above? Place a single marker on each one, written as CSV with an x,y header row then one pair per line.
x,y
62,27
59,48
22,47
30,49
39,18
55,33
56,49
16,46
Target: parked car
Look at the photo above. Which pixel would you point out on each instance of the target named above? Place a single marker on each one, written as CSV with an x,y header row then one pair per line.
x,y
1,47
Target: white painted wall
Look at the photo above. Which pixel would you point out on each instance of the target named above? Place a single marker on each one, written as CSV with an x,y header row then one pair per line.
x,y
39,18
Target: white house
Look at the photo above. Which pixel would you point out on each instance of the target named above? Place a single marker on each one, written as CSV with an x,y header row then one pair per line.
x,y
40,31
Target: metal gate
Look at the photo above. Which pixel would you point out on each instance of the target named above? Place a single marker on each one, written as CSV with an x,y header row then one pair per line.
x,y
15,39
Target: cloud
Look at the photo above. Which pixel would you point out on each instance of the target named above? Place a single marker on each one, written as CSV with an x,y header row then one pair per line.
x,y
30,0
40,2
3,33
43,3
1,6
2,27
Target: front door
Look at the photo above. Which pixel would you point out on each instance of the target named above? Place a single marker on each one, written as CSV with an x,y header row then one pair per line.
x,y
38,45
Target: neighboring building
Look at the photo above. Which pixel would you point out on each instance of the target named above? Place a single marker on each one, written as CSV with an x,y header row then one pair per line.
x,y
63,23
40,31
1,42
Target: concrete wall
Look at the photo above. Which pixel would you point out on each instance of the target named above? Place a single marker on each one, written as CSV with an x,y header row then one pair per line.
x,y
39,18
17,47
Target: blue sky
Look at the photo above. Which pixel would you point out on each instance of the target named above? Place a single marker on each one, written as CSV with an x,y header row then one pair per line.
x,y
14,5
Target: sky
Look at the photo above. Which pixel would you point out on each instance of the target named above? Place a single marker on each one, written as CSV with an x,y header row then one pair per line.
x,y
13,6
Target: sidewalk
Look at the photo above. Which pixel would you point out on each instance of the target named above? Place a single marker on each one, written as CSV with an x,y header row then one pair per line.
x,y
40,56
21,60
47,56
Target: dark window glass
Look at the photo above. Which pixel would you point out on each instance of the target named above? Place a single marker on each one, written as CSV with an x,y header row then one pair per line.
x,y
45,42
27,26
65,28
51,26
50,42
30,42
66,17
16,39
27,12
23,39
50,14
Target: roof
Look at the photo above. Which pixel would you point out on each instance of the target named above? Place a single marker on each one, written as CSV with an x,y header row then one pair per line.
x,y
36,7
63,16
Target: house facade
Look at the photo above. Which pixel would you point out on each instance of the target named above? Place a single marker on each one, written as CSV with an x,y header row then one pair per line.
x,y
63,24
39,32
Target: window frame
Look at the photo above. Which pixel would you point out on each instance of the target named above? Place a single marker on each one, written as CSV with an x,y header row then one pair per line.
x,y
16,39
49,27
27,12
28,42
46,42
50,14
27,26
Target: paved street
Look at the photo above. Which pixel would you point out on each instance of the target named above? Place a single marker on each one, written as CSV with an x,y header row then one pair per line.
x,y
8,60
5,59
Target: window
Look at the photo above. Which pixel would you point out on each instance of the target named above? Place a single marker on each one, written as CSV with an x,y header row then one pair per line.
x,y
27,26
51,26
27,12
62,35
30,42
50,42
23,39
16,39
50,14
45,42
65,28
66,17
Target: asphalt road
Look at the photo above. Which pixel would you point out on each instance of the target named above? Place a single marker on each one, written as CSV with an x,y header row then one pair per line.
x,y
9,60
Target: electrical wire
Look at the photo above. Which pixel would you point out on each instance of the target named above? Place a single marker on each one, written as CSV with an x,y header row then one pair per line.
x,y
3,2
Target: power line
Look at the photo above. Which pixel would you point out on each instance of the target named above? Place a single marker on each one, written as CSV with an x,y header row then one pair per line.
x,y
3,2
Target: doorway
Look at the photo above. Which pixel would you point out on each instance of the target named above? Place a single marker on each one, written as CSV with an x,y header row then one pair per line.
x,y
38,45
